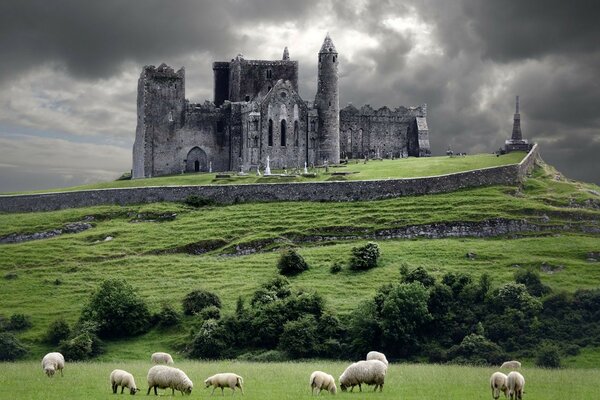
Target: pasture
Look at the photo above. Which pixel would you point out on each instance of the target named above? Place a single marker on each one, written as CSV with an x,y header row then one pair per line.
x,y
90,380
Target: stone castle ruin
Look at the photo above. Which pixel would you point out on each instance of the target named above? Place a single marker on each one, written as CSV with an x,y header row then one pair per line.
x,y
257,114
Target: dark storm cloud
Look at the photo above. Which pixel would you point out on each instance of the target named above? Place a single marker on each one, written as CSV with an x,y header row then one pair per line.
x,y
93,38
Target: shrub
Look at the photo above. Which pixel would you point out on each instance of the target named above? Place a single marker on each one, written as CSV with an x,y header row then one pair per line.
x,y
476,349
421,275
276,289
365,257
299,338
197,300
264,356
167,316
197,201
531,279
291,263
19,322
11,348
57,331
210,312
208,342
116,310
548,356
336,267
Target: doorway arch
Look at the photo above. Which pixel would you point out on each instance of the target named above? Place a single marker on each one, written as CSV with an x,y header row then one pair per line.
x,y
196,160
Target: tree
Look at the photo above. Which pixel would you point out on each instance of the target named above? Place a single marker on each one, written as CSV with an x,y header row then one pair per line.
x,y
421,275
11,348
58,330
531,280
116,310
365,257
197,300
291,263
548,356
476,349
299,337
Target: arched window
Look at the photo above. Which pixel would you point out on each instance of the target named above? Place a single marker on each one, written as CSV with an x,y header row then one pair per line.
x,y
270,136
283,131
296,133
333,58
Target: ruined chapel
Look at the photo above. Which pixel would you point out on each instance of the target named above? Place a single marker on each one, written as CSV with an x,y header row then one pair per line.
x,y
257,113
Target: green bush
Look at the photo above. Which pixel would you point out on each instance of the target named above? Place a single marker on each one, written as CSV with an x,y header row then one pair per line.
x,y
548,356
336,267
421,275
197,300
11,348
116,310
291,263
276,289
210,312
476,349
57,331
299,338
208,342
364,257
167,316
19,322
531,280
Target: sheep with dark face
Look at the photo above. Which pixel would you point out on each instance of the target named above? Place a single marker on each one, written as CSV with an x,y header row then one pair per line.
x,y
223,380
515,383
371,372
320,380
498,384
53,362
163,377
124,379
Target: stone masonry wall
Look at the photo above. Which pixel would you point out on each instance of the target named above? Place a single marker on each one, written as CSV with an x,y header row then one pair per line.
x,y
314,191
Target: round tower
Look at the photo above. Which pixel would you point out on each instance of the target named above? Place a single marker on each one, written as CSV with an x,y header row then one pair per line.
x,y
327,104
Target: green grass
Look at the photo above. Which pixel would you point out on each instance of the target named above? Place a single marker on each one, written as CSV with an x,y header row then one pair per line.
x,y
55,277
290,381
374,169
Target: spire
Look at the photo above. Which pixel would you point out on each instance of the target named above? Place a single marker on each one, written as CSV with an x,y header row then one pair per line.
x,y
517,110
286,54
328,46
516,132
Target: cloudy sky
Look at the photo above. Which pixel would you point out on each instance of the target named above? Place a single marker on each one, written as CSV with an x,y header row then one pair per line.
x,y
69,69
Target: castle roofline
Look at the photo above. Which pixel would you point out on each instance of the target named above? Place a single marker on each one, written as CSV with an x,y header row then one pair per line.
x,y
328,46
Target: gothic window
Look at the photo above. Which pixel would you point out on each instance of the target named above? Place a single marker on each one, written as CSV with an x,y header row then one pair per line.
x,y
283,131
255,141
270,136
219,126
296,133
312,125
333,58
269,74
255,124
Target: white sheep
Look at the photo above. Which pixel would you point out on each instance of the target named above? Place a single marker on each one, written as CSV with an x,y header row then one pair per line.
x,y
375,355
52,362
321,380
498,384
124,379
161,358
223,380
515,383
511,364
371,372
161,376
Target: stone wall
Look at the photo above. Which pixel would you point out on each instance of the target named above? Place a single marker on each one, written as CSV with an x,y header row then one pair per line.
x,y
314,191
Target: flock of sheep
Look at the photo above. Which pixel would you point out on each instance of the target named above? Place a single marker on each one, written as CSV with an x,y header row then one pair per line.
x,y
369,372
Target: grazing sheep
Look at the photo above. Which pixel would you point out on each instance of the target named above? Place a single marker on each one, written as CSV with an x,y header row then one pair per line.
x,y
52,362
124,379
224,380
320,380
515,383
375,355
371,372
498,384
161,358
161,376
511,365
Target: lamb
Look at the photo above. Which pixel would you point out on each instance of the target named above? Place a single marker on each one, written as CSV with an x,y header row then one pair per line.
x,y
223,380
498,384
161,376
124,379
371,372
161,358
515,383
375,355
511,365
52,362
321,380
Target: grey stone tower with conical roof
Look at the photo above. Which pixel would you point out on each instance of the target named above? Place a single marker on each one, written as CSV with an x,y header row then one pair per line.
x,y
516,141
327,104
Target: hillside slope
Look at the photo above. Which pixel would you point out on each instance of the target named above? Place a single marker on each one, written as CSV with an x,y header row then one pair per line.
x,y
165,250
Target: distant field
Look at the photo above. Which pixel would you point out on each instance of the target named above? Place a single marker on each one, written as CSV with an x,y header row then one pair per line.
x,y
374,169
90,380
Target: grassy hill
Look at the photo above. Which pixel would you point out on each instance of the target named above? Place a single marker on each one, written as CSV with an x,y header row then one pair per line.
x,y
53,277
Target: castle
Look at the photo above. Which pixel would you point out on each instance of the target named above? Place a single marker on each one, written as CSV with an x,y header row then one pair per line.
x,y
257,114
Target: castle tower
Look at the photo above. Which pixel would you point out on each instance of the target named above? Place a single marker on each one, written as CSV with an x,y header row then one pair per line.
x,y
286,54
327,104
516,141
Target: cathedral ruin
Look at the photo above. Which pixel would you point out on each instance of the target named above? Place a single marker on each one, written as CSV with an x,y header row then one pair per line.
x,y
257,113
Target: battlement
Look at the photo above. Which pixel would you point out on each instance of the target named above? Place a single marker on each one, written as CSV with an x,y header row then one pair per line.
x,y
163,71
399,112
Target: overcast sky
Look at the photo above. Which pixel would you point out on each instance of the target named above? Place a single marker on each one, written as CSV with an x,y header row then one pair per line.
x,y
69,69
